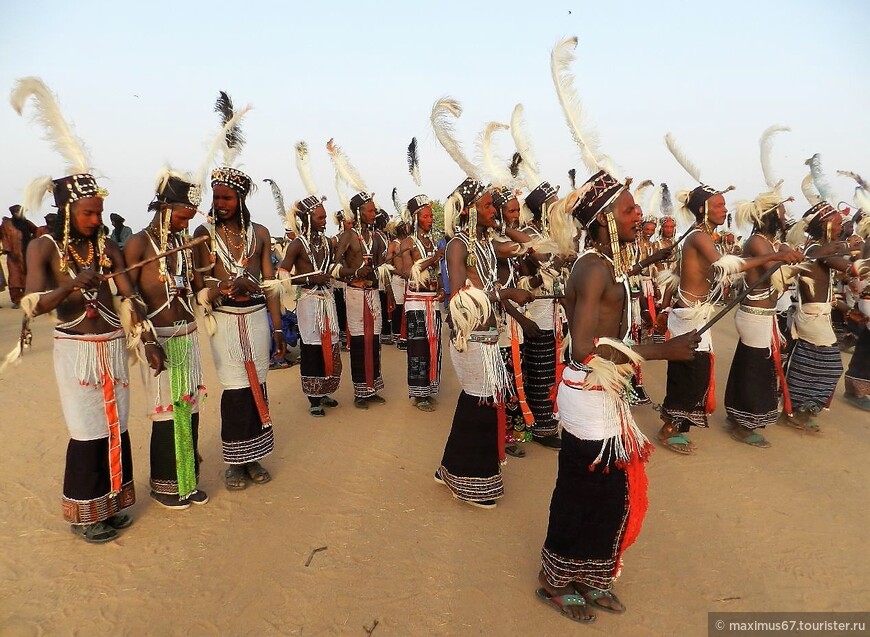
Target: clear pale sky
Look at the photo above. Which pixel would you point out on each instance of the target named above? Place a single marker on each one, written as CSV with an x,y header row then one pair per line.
x,y
139,80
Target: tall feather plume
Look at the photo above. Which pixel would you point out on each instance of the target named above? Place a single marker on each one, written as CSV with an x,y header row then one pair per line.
x,y
234,140
56,129
303,166
809,190
396,203
514,168
493,166
819,179
278,196
572,106
682,158
765,144
862,199
219,142
667,202
344,169
529,164
572,178
856,177
414,162
443,111
640,194
655,203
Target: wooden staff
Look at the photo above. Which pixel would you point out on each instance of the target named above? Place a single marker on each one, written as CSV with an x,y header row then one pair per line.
x,y
136,266
762,279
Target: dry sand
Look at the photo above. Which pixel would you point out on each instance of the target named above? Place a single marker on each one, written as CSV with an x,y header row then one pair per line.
x,y
732,528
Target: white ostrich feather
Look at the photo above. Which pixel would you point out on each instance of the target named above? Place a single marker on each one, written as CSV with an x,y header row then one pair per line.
x,y
443,111
765,144
48,115
529,166
586,139
344,169
303,165
682,158
495,169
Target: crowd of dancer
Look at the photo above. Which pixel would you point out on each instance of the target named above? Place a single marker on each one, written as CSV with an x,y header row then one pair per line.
x,y
552,304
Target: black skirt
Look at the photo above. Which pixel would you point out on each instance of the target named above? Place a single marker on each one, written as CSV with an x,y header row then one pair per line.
x,y
164,475
243,437
751,398
87,482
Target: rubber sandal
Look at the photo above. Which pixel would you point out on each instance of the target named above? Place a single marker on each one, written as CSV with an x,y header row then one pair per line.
x,y
792,422
560,602
515,451
677,443
97,533
377,400
424,405
328,401
480,504
753,439
860,403
360,403
120,521
234,478
257,473
594,594
550,442
317,411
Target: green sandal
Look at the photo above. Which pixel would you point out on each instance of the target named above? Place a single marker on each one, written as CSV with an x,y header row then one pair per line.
x,y
753,439
594,594
561,602
678,443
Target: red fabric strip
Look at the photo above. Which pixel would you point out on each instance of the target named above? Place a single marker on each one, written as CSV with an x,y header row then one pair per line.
x,y
368,339
528,417
326,346
502,430
780,372
711,389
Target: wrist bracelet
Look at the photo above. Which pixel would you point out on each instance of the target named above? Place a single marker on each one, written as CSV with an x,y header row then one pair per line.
x,y
147,343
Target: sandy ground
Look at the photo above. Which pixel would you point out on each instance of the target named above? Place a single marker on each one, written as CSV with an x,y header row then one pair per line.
x,y
732,528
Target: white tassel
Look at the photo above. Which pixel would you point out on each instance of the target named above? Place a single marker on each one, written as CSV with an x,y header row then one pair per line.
x,y
469,309
420,275
668,281
208,321
35,192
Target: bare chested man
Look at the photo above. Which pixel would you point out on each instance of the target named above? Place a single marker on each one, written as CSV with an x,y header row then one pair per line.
x,y
360,252
168,286
470,464
67,272
398,230
310,258
815,365
597,506
236,261
751,396
420,259
703,274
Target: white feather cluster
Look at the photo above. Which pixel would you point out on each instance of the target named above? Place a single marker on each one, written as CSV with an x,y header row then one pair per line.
x,y
469,309
682,158
496,170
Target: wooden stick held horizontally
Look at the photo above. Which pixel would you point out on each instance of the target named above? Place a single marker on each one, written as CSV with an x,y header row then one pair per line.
x,y
144,262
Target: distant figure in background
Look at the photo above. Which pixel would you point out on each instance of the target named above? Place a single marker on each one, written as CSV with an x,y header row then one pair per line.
x,y
50,220
15,233
120,233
